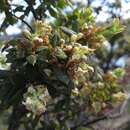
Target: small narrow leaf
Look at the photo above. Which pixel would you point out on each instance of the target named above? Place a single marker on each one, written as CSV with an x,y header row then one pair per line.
x,y
32,59
67,31
60,53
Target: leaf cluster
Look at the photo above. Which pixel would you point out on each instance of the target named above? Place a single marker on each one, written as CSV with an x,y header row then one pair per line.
x,y
55,77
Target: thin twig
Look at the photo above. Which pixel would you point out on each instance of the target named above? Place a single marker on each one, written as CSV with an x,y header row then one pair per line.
x,y
24,22
19,17
89,122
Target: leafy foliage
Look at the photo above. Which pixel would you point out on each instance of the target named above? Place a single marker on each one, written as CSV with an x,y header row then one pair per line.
x,y
10,9
61,76
57,82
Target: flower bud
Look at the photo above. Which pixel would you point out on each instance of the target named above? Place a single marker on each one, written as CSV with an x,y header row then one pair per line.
x,y
37,42
79,36
74,38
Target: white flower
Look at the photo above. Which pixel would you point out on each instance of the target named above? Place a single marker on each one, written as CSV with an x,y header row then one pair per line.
x,y
36,98
74,38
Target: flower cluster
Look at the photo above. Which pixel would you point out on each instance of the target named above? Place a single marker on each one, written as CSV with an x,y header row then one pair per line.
x,y
64,63
36,98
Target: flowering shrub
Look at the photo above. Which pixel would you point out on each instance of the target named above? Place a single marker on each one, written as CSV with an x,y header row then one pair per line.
x,y
57,79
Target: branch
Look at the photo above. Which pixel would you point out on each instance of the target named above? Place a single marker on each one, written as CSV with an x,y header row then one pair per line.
x,y
23,22
89,122
14,120
32,9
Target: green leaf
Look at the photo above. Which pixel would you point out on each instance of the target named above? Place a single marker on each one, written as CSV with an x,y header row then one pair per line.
x,y
67,31
96,106
61,76
113,29
32,59
89,11
53,11
26,12
27,34
56,125
8,43
61,3
43,53
42,48
116,26
75,25
19,9
60,53
86,15
55,39
76,14
119,72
